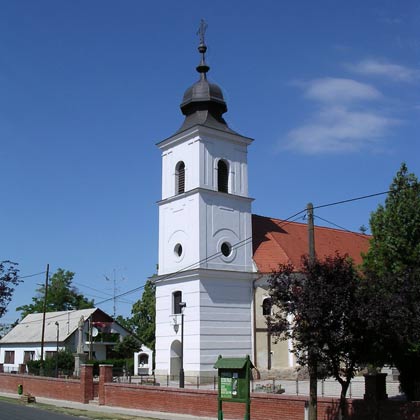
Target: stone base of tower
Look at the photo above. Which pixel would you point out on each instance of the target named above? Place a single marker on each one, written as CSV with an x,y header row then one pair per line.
x,y
217,321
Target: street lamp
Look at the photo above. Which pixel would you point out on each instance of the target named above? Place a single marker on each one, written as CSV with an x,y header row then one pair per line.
x,y
182,306
56,353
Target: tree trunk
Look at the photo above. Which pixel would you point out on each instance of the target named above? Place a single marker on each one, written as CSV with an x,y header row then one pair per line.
x,y
313,388
343,405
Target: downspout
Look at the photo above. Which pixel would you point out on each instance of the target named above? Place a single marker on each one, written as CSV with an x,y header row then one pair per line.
x,y
254,320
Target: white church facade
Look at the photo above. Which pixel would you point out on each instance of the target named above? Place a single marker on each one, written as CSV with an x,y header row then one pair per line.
x,y
214,255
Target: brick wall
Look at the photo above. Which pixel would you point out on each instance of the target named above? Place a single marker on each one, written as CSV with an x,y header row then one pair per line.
x,y
42,387
263,406
199,402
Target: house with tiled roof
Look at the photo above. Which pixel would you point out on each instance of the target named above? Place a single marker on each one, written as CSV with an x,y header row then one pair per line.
x,y
214,255
94,330
282,242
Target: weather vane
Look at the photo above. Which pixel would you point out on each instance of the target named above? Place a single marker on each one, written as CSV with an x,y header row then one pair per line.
x,y
202,31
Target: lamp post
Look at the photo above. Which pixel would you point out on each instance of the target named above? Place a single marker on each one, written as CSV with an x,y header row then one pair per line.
x,y
182,306
56,353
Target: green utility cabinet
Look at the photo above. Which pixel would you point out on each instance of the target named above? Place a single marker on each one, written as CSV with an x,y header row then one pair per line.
x,y
234,375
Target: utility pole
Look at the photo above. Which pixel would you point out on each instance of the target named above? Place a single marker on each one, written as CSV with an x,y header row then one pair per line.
x,y
115,294
312,361
90,339
43,317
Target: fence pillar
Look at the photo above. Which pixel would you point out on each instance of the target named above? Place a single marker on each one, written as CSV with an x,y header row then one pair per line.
x,y
105,375
22,368
375,387
86,383
1,368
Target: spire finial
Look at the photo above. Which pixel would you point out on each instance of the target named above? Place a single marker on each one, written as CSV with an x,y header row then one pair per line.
x,y
202,68
202,31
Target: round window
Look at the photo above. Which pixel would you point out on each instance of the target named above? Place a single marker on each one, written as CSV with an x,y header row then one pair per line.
x,y
226,249
178,250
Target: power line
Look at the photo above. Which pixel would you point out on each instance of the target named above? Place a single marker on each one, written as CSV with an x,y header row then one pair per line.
x,y
352,199
244,242
208,258
31,275
367,237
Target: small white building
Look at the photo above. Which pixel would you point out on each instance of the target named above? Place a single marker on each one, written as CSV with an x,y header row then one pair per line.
x,y
100,333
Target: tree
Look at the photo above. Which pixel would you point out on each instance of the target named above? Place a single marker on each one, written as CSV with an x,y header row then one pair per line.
x,y
142,323
8,280
392,281
64,361
317,308
395,227
126,348
61,296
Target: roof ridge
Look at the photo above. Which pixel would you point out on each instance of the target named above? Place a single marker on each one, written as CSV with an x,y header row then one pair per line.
x,y
316,226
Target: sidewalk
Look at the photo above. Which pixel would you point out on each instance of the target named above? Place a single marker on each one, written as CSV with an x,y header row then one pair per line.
x,y
112,410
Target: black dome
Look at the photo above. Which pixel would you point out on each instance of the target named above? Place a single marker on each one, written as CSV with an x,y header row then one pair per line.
x,y
203,102
203,95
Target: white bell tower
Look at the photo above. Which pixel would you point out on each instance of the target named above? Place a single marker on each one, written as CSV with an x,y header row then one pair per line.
x,y
205,238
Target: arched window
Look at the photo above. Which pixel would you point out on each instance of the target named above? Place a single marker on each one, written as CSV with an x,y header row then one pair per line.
x,y
176,300
266,306
222,176
143,359
180,178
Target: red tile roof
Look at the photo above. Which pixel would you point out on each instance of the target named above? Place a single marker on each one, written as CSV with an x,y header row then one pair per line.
x,y
280,242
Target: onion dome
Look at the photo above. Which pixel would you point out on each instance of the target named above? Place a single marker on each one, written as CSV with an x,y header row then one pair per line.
x,y
203,102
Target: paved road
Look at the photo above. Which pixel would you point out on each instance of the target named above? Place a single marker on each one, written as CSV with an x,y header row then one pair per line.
x,y
12,411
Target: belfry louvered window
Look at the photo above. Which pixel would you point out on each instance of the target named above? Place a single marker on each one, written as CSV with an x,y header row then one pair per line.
x,y
222,176
180,178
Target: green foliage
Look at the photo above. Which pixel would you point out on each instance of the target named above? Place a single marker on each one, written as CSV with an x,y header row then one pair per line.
x,y
61,296
8,280
391,293
119,365
126,347
142,322
395,227
65,364
317,309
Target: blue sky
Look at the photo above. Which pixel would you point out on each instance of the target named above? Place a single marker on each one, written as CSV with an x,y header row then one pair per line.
x,y
329,90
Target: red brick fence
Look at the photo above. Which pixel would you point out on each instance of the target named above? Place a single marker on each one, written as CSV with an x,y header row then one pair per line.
x,y
197,402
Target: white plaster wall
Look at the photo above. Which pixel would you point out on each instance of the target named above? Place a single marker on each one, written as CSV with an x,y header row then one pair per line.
x,y
217,319
225,218
178,223
19,350
200,149
216,146
201,222
202,218
165,333
225,313
185,149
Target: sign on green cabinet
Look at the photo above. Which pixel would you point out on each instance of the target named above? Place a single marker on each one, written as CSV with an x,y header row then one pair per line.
x,y
234,376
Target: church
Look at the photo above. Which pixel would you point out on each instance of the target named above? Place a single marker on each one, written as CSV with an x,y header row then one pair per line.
x,y
215,256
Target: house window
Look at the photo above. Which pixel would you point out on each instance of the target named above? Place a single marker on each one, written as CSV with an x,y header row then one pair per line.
x,y
222,176
266,306
176,300
180,177
28,356
49,354
9,357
